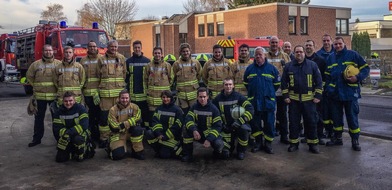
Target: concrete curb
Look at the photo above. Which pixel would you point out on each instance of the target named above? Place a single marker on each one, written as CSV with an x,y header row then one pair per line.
x,y
378,136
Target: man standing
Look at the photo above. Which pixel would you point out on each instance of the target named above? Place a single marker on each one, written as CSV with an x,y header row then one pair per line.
x,y
239,68
90,88
229,102
287,50
136,66
112,73
327,48
262,75
302,88
346,69
40,76
279,59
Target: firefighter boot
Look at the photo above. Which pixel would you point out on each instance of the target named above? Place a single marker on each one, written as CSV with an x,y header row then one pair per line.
x,y
335,140
268,147
258,144
313,148
138,155
355,144
187,152
293,147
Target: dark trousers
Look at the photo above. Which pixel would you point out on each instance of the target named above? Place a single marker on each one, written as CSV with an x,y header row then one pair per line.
x,y
39,127
93,116
320,121
268,127
351,109
307,110
281,116
326,113
143,106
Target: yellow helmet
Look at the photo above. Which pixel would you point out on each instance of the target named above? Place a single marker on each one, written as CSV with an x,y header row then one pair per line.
x,y
350,71
23,80
169,58
202,57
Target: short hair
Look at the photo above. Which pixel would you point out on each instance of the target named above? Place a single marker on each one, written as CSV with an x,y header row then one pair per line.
x,y
157,48
110,42
167,93
244,46
286,42
339,38
67,48
124,91
137,42
273,37
202,89
260,48
217,46
46,45
68,94
311,41
327,35
185,45
227,79
303,48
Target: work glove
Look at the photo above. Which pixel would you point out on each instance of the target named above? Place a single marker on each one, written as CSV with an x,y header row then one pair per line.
x,y
236,124
96,98
63,142
121,128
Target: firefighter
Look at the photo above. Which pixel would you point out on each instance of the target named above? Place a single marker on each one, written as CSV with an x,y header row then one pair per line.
x,y
215,70
239,68
302,89
187,72
112,74
124,121
202,58
234,128
158,77
73,140
262,80
169,58
136,67
203,124
166,128
69,76
279,59
40,76
90,88
343,90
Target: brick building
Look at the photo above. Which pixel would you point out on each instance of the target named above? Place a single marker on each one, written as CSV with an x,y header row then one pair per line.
x,y
290,22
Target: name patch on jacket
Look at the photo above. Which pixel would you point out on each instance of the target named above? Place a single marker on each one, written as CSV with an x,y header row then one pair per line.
x,y
91,62
205,113
69,70
138,64
166,113
67,117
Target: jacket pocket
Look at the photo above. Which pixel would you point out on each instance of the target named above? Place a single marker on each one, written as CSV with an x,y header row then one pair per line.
x,y
269,103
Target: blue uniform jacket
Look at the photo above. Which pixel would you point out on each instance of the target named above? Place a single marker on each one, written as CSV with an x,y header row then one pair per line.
x,y
75,120
262,83
167,121
324,54
135,73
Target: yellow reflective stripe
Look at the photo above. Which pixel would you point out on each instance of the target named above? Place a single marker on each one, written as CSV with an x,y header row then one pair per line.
x,y
242,143
216,119
353,85
83,115
309,141
187,83
339,128
310,80
363,66
188,140
93,79
112,80
159,87
43,84
255,134
62,131
113,123
328,122
57,121
214,132
268,75
89,92
45,96
136,139
114,137
152,141
189,124
109,93
69,88
353,131
104,128
214,82
294,140
268,138
79,129
251,75
169,134
157,126
188,95
350,63
170,143
154,101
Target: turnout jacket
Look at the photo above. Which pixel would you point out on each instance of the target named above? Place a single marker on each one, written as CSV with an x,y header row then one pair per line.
x,y
136,68
336,86
90,64
167,121
75,120
302,82
321,63
206,119
262,83
126,116
187,75
239,68
112,74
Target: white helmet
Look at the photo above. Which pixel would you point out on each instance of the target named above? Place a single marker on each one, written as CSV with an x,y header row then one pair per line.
x,y
237,111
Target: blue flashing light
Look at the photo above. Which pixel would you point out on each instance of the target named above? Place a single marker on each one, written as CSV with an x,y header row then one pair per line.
x,y
95,25
63,24
229,37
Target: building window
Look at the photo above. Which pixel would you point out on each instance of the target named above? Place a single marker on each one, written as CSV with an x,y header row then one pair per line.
x,y
342,26
183,38
292,25
304,25
201,30
210,29
220,29
157,40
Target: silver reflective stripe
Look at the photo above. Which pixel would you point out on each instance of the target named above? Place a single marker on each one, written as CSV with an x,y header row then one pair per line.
x,y
125,112
242,67
138,64
225,103
206,113
167,113
76,115
157,69
219,64
69,70
186,65
91,62
274,60
109,61
46,66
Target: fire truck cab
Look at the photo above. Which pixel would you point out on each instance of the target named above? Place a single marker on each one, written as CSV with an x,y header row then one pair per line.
x,y
8,72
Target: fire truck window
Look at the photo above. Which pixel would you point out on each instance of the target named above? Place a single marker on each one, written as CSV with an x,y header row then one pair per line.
x,y
229,52
252,52
11,44
102,40
55,41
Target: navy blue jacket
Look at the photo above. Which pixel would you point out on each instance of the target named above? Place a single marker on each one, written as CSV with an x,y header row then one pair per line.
x,y
134,78
167,121
75,120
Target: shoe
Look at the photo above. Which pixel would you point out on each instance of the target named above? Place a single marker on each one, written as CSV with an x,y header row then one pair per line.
x,y
268,147
34,143
355,145
303,140
335,142
103,144
284,140
313,148
321,141
240,155
225,155
293,147
138,155
187,158
255,148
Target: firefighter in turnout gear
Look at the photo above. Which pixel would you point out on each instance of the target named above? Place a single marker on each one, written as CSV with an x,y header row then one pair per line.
x,y
279,59
262,81
158,77
234,128
124,121
216,70
239,68
302,89
166,128
73,136
187,73
136,68
112,73
69,76
90,88
40,76
203,124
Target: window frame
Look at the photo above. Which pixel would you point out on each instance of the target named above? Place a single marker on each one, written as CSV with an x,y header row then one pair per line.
x,y
218,31
294,20
201,29
304,20
210,32
339,26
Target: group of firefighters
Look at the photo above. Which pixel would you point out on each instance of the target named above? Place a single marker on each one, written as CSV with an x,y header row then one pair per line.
x,y
138,98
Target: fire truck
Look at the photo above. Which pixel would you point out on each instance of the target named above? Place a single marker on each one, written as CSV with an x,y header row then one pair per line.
x,y
8,72
231,47
30,42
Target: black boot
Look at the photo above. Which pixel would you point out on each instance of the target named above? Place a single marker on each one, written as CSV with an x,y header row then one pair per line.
x,y
293,147
313,148
321,141
258,144
355,145
335,140
187,150
268,147
138,155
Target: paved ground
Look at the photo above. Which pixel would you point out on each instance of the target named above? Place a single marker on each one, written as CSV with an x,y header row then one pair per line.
x,y
335,168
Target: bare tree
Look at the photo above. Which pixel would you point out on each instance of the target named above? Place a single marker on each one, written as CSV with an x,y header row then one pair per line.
x,y
202,5
54,12
232,4
107,13
150,17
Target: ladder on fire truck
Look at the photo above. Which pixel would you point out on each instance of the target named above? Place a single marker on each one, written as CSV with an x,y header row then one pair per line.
x,y
25,45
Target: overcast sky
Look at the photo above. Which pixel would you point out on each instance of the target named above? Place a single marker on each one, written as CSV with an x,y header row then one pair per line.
x,y
21,14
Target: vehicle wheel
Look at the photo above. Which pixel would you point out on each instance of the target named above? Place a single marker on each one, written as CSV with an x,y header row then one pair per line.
x,y
28,89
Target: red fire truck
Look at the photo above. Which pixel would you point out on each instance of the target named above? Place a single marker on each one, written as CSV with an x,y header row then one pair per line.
x,y
8,72
30,41
231,46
